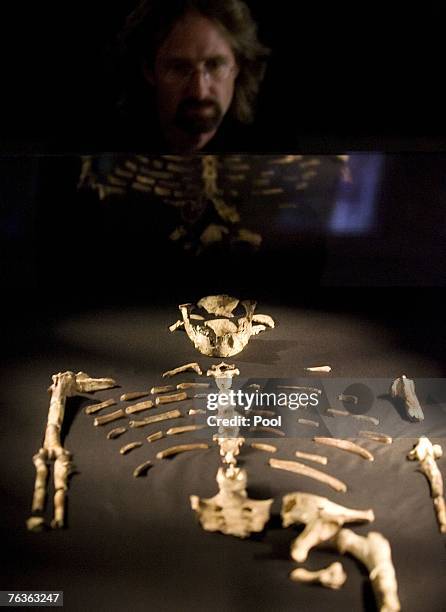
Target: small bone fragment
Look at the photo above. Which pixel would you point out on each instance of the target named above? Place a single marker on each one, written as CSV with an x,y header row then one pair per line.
x,y
180,448
365,417
162,389
427,453
35,523
308,422
336,412
305,470
404,388
311,457
376,436
156,418
268,448
346,445
231,511
96,407
168,399
375,553
322,517
128,397
141,469
62,469
183,429
40,484
184,368
108,418
300,388
192,385
155,436
139,407
332,576
265,428
348,398
128,447
326,368
115,433
194,411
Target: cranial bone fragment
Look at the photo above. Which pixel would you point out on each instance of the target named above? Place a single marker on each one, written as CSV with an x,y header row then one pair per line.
x,y
162,389
375,553
109,418
184,368
376,436
226,334
316,458
183,429
169,399
322,517
268,448
180,448
325,368
346,445
305,470
65,384
115,433
404,388
142,469
128,397
231,511
128,447
155,436
308,422
332,576
96,407
156,418
267,429
139,407
427,453
192,385
230,449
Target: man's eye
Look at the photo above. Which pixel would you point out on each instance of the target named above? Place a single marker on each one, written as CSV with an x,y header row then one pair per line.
x,y
215,64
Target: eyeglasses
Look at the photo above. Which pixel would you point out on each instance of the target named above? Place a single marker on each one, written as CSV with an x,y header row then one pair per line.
x,y
215,70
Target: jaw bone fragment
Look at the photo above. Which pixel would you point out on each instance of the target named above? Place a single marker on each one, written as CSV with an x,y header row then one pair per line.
x,y
404,388
65,384
427,453
184,368
332,576
375,553
231,511
322,518
305,470
346,445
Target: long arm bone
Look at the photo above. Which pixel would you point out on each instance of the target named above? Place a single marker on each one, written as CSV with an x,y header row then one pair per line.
x,y
427,453
375,553
65,384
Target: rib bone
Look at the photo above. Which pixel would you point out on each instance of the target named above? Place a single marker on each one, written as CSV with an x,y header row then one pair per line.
x,y
156,418
96,407
311,457
180,448
346,445
128,447
115,433
183,429
305,470
332,576
142,468
377,436
109,418
139,407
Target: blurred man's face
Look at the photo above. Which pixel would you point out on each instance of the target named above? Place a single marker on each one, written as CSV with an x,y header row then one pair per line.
x,y
193,76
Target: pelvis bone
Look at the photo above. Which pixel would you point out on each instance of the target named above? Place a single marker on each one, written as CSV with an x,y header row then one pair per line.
x,y
224,334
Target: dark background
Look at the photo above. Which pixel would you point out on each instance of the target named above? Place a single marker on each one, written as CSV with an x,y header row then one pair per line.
x,y
339,78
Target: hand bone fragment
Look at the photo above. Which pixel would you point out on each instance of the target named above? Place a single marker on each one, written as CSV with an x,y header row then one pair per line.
x,y
115,433
180,448
342,397
156,418
322,518
268,448
325,368
375,553
142,468
332,576
311,457
169,399
155,436
404,388
93,408
162,389
231,511
427,453
299,468
129,447
139,407
109,418
194,367
128,397
308,422
192,385
346,445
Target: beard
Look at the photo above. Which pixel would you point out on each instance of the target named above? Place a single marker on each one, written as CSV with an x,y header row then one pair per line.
x,y
189,118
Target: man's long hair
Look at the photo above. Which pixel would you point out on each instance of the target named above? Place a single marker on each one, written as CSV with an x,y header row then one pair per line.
x,y
148,26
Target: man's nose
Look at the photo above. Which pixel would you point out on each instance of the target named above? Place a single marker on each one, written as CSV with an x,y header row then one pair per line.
x,y
198,85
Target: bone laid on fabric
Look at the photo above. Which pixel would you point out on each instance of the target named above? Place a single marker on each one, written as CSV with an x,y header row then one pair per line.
x,y
139,407
35,523
332,576
404,388
194,367
336,412
348,398
128,447
311,457
300,388
162,389
192,385
109,418
156,418
141,469
180,448
40,463
115,433
346,445
128,397
325,368
97,407
169,399
376,436
194,411
268,448
308,422
155,436
305,470
365,417
267,429
183,429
